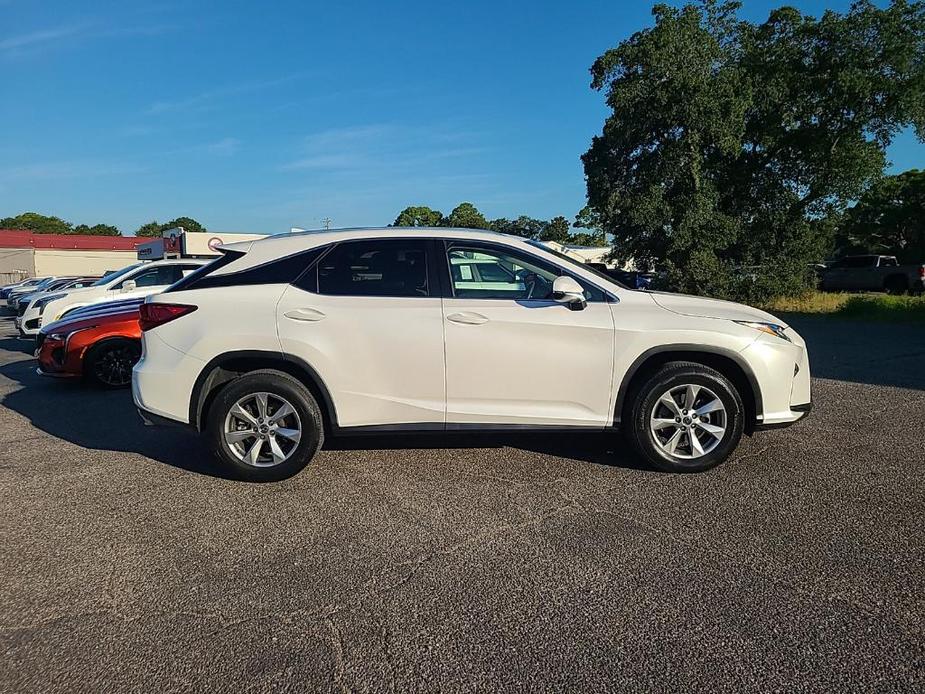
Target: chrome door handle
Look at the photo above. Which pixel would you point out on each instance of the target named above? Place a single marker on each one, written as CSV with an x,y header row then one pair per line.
x,y
311,315
467,318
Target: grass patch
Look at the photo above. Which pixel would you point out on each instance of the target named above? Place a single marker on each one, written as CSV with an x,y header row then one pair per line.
x,y
877,307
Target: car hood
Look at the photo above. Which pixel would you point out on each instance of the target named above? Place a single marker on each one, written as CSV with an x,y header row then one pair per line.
x,y
69,325
82,291
701,307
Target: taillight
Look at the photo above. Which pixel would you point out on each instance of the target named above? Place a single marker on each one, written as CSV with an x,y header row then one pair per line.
x,y
922,272
153,315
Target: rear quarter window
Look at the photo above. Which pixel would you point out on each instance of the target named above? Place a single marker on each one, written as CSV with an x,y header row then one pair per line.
x,y
285,270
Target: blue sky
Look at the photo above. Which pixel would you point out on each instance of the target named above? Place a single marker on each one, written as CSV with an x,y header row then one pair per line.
x,y
257,116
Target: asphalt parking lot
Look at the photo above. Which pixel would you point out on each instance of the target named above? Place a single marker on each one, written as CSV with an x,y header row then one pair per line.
x,y
127,563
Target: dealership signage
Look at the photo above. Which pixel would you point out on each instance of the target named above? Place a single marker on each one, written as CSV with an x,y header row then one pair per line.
x,y
178,243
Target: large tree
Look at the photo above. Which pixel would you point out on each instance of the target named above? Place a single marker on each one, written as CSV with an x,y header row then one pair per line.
x,y
524,226
188,224
38,223
732,144
556,229
466,215
418,216
97,230
889,218
154,228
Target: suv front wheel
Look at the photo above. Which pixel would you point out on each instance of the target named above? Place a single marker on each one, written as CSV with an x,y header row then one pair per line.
x,y
265,426
686,417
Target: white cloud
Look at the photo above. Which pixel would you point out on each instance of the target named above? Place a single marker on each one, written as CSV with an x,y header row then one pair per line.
x,y
205,98
66,169
381,148
36,38
224,147
36,41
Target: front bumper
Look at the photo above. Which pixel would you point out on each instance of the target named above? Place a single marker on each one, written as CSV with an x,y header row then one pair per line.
x,y
797,414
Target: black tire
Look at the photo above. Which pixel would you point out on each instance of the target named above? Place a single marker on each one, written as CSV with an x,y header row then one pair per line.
x,y
109,363
281,385
895,285
641,404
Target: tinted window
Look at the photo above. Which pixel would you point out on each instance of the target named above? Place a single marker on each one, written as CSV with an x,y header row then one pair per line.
x,y
375,268
489,272
888,262
109,277
282,271
857,261
154,277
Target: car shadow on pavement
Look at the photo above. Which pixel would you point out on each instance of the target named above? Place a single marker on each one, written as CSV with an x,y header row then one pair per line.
x,y
597,448
882,354
107,420
99,419
16,344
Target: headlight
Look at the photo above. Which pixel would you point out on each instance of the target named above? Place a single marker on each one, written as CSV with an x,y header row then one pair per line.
x,y
57,337
769,328
40,304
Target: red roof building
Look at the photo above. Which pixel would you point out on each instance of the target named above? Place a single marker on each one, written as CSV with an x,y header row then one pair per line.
x,y
27,254
18,238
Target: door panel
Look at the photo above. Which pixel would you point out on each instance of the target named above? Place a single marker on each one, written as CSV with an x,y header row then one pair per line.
x,y
381,357
528,362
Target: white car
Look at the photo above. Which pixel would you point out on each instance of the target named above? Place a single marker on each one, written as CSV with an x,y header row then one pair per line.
x,y
29,320
134,281
286,339
30,287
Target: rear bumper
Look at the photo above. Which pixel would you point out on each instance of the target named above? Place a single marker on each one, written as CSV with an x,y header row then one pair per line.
x,y
150,419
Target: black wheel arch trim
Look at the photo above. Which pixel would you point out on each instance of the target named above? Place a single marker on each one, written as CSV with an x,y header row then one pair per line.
x,y
689,348
200,392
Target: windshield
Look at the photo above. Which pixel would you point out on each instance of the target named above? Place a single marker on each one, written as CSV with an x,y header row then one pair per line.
x,y
106,279
577,263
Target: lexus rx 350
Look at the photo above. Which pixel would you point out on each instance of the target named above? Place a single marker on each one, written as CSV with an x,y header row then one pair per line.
x,y
284,340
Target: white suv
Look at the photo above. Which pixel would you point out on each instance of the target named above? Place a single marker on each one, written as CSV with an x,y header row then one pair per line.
x,y
135,281
286,339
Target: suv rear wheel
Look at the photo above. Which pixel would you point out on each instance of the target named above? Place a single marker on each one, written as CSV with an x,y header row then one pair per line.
x,y
265,426
686,417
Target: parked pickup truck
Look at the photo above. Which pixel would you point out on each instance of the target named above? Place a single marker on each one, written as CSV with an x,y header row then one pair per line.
x,y
873,273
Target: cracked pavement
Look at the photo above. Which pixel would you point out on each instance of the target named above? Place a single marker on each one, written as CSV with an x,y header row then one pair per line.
x,y
128,563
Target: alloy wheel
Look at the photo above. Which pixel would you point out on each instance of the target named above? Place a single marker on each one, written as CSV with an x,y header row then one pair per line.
x,y
262,429
114,366
688,421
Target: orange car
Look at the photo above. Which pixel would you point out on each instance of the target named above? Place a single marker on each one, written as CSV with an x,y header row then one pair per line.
x,y
100,343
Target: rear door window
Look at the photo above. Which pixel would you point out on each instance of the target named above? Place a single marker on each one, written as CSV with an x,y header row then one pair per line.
x,y
386,267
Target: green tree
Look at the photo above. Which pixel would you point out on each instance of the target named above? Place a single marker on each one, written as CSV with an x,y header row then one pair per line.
x,y
583,238
420,216
152,228
524,226
732,144
38,223
188,224
588,219
97,230
465,215
889,218
556,229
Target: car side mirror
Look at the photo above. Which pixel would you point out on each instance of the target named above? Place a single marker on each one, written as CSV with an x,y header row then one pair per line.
x,y
129,285
566,290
